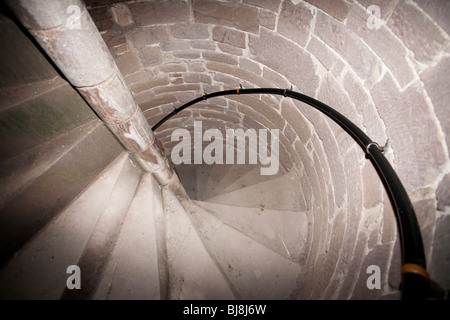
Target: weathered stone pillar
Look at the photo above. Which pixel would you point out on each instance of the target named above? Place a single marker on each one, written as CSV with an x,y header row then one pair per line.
x,y
66,32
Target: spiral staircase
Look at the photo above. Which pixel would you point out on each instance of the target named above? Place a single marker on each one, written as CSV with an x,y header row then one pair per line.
x,y
233,234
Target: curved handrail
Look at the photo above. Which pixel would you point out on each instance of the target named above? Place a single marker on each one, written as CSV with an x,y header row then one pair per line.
x,y
415,282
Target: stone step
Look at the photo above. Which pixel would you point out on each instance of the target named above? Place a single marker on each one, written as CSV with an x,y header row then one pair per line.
x,y
216,177
232,174
282,231
132,270
281,193
38,269
193,273
20,171
203,174
187,173
40,119
256,271
104,235
37,204
250,177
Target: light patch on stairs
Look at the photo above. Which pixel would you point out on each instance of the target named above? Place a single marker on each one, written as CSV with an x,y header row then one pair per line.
x,y
59,244
192,271
282,193
132,269
282,231
256,271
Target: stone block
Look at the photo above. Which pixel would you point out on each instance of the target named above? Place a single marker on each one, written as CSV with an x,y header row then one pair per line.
x,y
150,56
438,11
197,78
348,45
190,31
229,36
405,128
250,66
272,5
390,50
121,14
172,45
372,186
378,256
160,12
220,57
293,62
296,120
233,15
102,18
149,100
128,63
187,54
142,37
114,38
295,22
177,88
418,32
322,53
267,19
440,258
338,9
226,48
443,193
203,45
372,124
435,80
172,67
275,79
237,73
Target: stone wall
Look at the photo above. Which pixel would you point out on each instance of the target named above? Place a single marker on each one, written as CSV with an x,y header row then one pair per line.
x,y
391,80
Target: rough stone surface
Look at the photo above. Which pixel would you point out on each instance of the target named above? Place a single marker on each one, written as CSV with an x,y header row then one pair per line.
x,y
351,48
190,31
229,36
399,111
338,9
150,56
440,258
417,32
439,11
121,14
159,12
236,16
435,80
142,37
391,50
301,73
443,193
295,22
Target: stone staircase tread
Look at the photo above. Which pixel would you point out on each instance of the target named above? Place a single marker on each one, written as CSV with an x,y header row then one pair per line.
x,y
267,195
193,273
58,245
56,188
216,177
203,173
106,230
20,171
252,177
233,173
282,231
256,271
188,177
132,269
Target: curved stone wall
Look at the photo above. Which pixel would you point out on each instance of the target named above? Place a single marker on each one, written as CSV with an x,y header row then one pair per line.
x,y
386,72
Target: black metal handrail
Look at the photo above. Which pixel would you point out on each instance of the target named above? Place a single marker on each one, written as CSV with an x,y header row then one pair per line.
x,y
415,279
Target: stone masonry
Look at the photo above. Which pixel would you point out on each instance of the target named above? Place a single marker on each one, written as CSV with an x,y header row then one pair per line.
x,y
392,81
